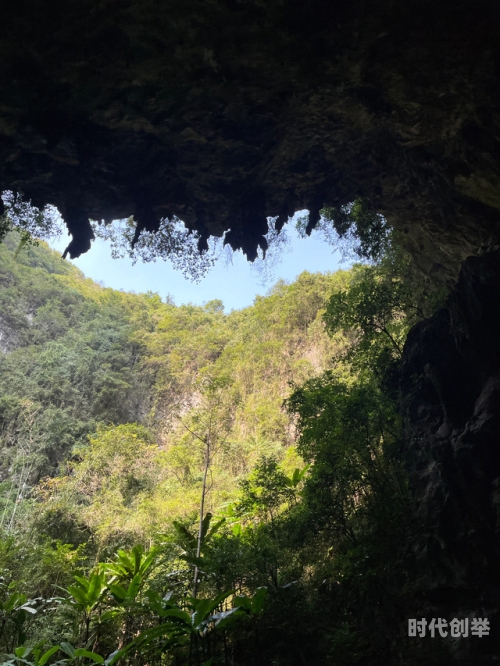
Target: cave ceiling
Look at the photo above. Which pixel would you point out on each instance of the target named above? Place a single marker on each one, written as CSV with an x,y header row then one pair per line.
x,y
224,112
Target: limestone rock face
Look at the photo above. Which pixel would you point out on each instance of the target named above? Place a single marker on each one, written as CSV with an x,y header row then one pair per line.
x,y
227,111
451,384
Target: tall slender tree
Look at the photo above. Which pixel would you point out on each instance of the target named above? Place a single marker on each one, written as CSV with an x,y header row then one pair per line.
x,y
210,423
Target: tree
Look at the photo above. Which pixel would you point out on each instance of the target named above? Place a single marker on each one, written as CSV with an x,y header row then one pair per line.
x,y
377,309
210,424
357,229
23,442
114,484
265,491
171,241
31,222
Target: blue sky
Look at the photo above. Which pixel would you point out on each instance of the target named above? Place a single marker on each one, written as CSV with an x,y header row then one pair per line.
x,y
235,285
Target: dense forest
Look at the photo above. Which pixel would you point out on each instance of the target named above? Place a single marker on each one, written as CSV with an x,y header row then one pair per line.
x,y
179,485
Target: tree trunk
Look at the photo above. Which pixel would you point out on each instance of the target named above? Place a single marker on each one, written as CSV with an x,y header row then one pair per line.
x,y
202,509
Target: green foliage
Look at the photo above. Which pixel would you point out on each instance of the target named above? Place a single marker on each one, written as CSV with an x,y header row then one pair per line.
x,y
113,486
188,541
356,228
15,609
170,241
77,654
66,363
129,566
297,477
376,311
185,626
118,412
351,433
356,508
30,222
265,491
86,594
189,629
23,653
373,305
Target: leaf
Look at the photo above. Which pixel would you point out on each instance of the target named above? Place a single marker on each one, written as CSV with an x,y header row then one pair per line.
x,y
157,603
155,632
83,582
134,587
119,593
226,618
110,614
47,655
243,602
252,604
194,561
29,609
78,595
178,614
96,587
117,654
147,562
202,610
96,658
137,552
259,599
204,607
68,649
205,525
215,528
16,599
22,651
187,538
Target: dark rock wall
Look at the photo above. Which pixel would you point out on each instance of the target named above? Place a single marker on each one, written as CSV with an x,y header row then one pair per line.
x,y
451,388
224,112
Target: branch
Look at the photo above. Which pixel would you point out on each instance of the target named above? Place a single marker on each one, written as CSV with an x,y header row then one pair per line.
x,y
204,441
395,344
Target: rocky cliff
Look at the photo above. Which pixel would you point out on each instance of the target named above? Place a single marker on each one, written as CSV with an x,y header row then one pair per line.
x,y
451,384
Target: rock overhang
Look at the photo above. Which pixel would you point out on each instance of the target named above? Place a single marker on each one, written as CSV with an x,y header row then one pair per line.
x,y
225,113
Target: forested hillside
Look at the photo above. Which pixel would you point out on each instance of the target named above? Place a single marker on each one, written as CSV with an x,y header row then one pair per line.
x,y
79,359
181,485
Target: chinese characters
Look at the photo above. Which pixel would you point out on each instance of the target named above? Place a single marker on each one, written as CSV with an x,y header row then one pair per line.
x,y
456,628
